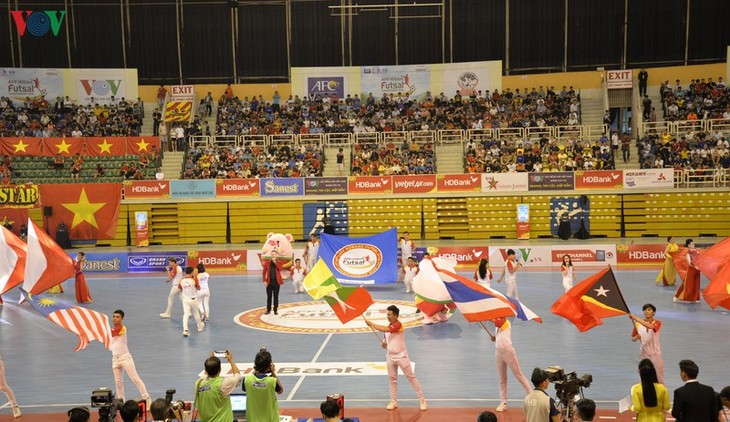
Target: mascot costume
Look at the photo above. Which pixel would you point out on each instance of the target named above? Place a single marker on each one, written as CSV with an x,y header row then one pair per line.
x,y
432,298
277,251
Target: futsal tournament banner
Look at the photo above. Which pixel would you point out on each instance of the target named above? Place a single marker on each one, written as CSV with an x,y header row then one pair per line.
x,y
362,260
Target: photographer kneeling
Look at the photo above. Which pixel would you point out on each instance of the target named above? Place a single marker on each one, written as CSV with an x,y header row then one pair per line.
x,y
212,392
161,411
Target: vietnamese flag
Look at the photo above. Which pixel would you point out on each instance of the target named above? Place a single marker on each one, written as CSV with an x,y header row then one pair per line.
x,y
89,210
109,147
21,146
14,217
714,258
717,293
65,146
142,144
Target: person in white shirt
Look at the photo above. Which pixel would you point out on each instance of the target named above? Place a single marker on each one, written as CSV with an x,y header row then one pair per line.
x,y
174,275
505,356
189,287
159,175
406,248
409,273
122,360
204,293
297,276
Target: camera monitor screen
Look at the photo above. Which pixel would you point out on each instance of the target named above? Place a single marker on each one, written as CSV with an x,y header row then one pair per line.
x,y
238,403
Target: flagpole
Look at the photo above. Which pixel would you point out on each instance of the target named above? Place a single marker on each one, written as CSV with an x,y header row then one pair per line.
x,y
373,330
486,329
621,295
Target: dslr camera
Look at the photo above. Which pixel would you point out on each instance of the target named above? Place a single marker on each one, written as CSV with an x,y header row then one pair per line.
x,y
104,399
177,407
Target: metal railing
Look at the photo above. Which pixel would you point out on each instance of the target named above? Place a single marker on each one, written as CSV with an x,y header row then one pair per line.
x,y
705,178
686,126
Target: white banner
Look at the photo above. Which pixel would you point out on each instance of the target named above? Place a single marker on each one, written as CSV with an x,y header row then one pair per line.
x,y
182,93
619,78
584,255
529,256
649,178
100,85
504,182
466,78
413,81
19,84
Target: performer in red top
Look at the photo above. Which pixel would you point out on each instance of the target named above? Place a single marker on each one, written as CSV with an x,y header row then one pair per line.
x,y
82,290
689,290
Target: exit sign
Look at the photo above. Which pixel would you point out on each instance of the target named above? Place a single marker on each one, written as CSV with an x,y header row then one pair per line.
x,y
619,78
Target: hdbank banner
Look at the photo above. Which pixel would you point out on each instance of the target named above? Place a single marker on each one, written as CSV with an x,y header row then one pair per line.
x,y
197,188
460,256
237,187
640,254
459,183
100,85
599,179
504,182
282,186
230,260
649,178
415,183
104,262
585,255
362,260
146,189
153,262
17,84
370,184
326,85
412,81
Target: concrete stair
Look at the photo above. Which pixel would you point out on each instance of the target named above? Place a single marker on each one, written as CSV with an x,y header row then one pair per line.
x,y
450,158
330,155
147,122
591,106
172,164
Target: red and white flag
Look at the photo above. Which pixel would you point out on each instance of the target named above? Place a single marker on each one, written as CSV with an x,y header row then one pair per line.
x,y
12,260
49,263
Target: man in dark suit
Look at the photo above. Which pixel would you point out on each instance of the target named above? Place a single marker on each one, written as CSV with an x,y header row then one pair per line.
x,y
693,402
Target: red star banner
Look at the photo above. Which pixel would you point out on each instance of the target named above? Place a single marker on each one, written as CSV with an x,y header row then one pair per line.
x,y
64,146
109,147
142,144
89,210
21,146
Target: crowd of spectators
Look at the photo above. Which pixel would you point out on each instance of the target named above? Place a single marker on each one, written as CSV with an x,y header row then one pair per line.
x,y
701,99
376,159
253,161
38,117
693,150
397,112
545,154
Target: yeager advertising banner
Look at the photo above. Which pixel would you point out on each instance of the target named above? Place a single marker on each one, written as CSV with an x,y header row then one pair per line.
x,y
362,260
17,84
413,81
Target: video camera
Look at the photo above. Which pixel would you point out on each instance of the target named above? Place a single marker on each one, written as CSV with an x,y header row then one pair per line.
x,y
104,399
568,387
176,408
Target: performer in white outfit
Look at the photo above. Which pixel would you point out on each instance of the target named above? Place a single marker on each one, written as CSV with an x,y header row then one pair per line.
x,y
189,294
483,274
511,266
409,273
122,360
406,248
505,356
297,276
568,272
311,251
203,293
5,388
174,275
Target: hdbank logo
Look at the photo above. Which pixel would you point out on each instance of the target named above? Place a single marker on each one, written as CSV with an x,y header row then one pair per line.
x,y
38,23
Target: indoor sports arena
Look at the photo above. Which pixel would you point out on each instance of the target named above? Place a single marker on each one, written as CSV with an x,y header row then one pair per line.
x,y
380,204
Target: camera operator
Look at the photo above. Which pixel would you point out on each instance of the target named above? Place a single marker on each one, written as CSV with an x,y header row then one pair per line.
x,y
212,392
161,411
539,406
130,411
79,414
586,410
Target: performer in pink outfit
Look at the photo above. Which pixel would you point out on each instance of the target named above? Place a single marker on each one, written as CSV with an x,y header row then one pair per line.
x,y
397,357
504,356
5,388
647,331
121,358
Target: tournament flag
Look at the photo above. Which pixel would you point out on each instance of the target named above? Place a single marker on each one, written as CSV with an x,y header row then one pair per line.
x,y
717,293
594,298
349,303
87,324
89,210
12,260
320,281
476,302
50,264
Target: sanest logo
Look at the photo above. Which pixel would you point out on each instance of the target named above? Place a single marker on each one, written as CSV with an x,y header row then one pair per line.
x,y
38,23
101,87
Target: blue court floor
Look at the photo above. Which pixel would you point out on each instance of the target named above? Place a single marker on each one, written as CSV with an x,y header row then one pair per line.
x,y
453,360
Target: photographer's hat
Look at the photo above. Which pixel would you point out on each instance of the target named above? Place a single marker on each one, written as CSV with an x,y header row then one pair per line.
x,y
538,376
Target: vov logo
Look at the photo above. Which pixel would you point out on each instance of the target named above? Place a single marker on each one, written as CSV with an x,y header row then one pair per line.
x,y
101,88
38,23
522,254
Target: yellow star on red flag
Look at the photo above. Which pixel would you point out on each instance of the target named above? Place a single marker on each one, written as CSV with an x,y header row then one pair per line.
x,y
63,147
84,210
105,146
142,145
20,146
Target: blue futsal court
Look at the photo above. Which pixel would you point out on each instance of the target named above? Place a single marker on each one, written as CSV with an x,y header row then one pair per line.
x,y
454,360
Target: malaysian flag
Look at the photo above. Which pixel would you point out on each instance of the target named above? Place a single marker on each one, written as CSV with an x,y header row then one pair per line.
x,y
87,324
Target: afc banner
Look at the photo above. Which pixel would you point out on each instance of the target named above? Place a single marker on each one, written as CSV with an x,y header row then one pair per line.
x,y
362,260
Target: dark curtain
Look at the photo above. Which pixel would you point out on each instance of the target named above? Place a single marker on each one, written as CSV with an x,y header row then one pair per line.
x,y
709,33
373,37
316,37
152,42
656,32
595,33
261,50
46,50
9,37
478,30
206,43
536,34
98,35
419,38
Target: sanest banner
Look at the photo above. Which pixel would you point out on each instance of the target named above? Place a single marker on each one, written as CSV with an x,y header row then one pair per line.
x,y
282,186
362,260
